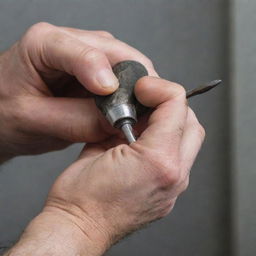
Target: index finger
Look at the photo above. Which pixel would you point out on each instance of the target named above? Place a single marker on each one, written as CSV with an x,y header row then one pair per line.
x,y
50,49
115,50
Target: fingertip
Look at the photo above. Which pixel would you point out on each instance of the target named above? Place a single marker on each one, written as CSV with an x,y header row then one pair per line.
x,y
144,83
145,90
100,81
107,80
152,91
94,71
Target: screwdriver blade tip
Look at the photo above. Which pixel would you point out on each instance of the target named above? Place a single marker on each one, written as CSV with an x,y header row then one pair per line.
x,y
128,132
214,83
204,88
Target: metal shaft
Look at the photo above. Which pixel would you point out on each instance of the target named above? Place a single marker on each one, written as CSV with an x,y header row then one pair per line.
x,y
128,132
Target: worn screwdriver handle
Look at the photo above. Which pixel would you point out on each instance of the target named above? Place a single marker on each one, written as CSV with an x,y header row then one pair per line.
x,y
114,106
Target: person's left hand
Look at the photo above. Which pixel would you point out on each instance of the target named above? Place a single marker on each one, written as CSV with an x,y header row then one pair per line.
x,y
46,84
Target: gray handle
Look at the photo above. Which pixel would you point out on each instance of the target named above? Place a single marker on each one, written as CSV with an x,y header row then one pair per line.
x,y
128,73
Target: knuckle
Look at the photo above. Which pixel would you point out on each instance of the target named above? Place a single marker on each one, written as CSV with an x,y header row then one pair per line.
x,y
167,209
42,25
165,212
37,31
148,62
185,185
105,34
132,53
179,90
90,55
201,131
39,28
165,171
121,150
194,123
170,177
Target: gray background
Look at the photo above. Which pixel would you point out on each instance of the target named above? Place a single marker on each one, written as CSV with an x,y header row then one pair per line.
x,y
243,67
190,42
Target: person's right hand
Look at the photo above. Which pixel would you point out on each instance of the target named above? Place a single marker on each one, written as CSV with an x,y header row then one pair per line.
x,y
115,188
46,81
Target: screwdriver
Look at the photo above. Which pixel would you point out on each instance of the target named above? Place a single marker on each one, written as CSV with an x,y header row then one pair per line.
x,y
203,88
122,108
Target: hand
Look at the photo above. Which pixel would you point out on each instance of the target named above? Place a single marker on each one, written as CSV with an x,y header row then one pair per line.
x,y
114,189
45,84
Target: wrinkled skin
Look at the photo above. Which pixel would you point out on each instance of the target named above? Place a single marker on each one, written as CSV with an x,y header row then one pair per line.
x,y
121,188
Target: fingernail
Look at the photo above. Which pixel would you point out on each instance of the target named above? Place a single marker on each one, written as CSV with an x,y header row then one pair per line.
x,y
107,79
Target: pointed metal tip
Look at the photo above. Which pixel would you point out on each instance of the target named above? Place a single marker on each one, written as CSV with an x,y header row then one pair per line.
x,y
204,88
128,132
214,83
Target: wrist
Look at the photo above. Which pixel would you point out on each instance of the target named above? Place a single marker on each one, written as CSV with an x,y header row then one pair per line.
x,y
55,232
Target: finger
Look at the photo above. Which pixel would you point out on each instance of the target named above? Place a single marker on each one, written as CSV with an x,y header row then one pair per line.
x,y
166,124
68,87
192,140
74,120
55,49
101,33
115,50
